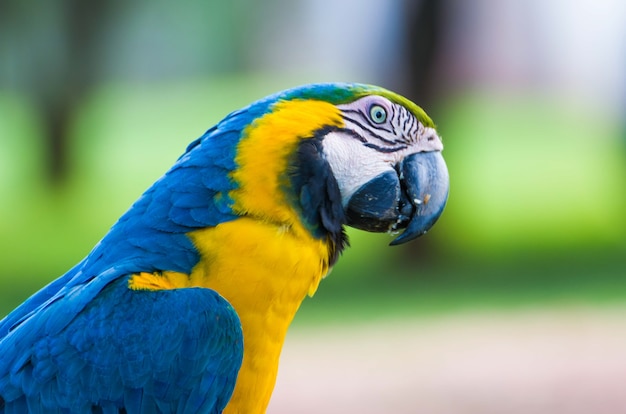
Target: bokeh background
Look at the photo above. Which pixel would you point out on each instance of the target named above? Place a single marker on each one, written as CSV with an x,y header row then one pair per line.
x,y
514,302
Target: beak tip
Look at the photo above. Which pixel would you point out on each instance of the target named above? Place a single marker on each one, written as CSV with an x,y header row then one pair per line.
x,y
406,237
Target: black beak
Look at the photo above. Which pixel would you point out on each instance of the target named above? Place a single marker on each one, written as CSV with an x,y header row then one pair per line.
x,y
426,182
412,198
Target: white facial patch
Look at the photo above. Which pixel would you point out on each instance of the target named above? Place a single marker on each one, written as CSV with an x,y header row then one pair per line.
x,y
353,164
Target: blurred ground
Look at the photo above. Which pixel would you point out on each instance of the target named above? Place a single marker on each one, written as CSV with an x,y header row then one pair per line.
x,y
105,97
540,361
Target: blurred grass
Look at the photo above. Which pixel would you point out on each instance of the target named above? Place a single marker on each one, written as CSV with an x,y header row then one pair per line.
x,y
535,213
532,173
381,289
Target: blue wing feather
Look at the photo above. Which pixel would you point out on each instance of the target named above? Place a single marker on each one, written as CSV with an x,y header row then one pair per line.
x,y
55,355
87,342
131,349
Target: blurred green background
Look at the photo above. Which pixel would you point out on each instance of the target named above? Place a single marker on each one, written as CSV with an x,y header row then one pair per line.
x,y
97,101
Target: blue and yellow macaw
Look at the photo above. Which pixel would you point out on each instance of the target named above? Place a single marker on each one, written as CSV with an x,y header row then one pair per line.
x,y
184,305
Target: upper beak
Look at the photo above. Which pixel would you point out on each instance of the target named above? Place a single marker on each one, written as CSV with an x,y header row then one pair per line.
x,y
413,197
426,183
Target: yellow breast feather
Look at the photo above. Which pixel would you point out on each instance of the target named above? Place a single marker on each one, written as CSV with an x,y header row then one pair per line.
x,y
266,262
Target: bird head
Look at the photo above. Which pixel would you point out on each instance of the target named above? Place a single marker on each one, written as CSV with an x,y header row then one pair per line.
x,y
349,154
388,165
312,159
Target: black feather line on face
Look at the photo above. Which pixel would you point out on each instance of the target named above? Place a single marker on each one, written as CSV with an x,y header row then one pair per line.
x,y
401,124
365,118
393,119
315,193
386,150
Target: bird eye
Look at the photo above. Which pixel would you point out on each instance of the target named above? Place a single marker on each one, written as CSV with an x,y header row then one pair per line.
x,y
378,114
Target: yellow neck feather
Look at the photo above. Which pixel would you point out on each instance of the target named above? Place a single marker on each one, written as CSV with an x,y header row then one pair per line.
x,y
266,262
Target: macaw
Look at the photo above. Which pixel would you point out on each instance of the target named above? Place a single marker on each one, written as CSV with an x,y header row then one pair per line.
x,y
184,305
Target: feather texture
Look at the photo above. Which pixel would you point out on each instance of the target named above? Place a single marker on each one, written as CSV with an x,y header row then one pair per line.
x,y
154,349
223,247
